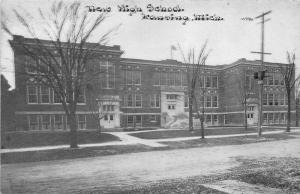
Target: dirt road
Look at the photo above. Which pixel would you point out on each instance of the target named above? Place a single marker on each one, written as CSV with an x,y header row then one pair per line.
x,y
103,173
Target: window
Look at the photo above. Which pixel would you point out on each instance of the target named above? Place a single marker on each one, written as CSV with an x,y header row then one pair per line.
x,y
250,108
250,116
186,101
276,96
32,94
58,122
106,117
184,78
107,70
155,100
171,106
56,97
81,96
108,107
31,65
208,82
265,99
177,79
171,96
215,119
33,123
111,117
81,121
281,99
163,78
138,120
154,118
270,99
276,117
215,101
133,77
133,100
138,100
208,101
271,80
270,117
248,82
214,81
276,79
129,100
156,77
208,119
265,118
44,94
130,120
45,122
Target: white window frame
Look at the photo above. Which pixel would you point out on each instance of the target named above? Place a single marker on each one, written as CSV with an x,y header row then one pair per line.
x,y
36,93
29,122
41,95
77,118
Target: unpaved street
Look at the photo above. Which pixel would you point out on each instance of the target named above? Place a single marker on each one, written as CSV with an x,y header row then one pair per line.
x,y
69,176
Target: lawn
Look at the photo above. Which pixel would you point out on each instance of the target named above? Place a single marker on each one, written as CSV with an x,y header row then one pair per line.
x,y
34,139
186,133
60,154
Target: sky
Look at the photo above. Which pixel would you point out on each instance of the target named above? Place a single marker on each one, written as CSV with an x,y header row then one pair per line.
x,y
228,40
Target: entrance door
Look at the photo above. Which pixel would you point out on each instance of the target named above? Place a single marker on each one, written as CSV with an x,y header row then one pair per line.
x,y
250,118
109,121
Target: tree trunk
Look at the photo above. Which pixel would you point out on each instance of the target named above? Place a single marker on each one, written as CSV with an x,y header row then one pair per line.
x,y
191,127
245,116
73,130
288,124
297,112
202,125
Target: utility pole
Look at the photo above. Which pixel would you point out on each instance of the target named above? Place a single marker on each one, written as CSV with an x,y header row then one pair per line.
x,y
261,73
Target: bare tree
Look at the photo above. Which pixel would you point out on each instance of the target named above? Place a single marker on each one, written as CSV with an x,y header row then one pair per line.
x,y
63,59
244,95
297,97
288,73
195,67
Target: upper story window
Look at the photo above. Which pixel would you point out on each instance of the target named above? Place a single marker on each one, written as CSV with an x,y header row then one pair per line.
x,y
133,77
248,82
171,96
133,100
107,74
108,107
81,96
31,65
274,79
155,100
32,94
209,101
211,81
56,97
278,99
44,94
175,78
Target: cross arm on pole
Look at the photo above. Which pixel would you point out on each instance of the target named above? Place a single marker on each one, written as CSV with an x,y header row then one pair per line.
x,y
263,14
261,53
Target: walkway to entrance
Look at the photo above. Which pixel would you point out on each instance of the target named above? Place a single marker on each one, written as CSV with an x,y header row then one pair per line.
x,y
127,139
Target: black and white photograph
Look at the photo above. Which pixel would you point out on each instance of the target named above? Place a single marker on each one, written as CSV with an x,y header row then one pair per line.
x,y
150,96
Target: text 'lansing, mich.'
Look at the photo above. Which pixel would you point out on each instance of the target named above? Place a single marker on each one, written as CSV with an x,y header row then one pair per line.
x,y
157,13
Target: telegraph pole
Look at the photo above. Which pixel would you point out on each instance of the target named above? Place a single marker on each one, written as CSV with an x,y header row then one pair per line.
x,y
261,73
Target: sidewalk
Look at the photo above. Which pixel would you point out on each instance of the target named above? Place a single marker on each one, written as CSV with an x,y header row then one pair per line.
x,y
127,139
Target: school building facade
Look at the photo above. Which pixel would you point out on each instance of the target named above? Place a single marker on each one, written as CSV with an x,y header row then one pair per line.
x,y
141,93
